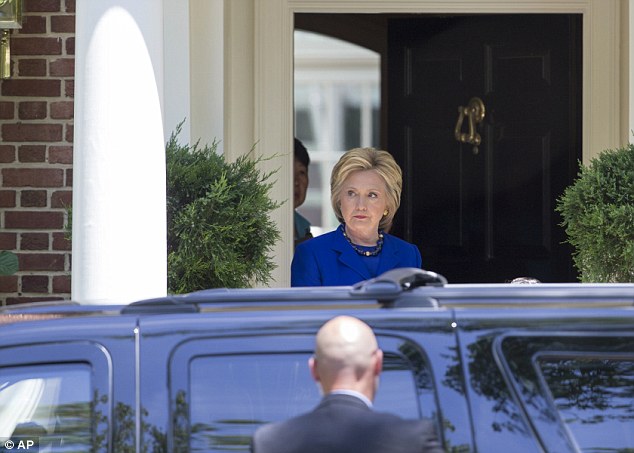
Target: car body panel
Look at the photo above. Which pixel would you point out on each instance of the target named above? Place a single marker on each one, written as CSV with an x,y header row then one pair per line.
x,y
489,364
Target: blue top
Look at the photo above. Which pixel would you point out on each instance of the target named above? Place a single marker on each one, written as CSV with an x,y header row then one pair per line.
x,y
329,260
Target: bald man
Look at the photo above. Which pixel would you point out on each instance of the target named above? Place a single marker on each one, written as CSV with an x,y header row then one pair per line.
x,y
346,366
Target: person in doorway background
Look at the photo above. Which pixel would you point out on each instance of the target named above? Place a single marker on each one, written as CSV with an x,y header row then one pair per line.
x,y
346,366
365,192
300,186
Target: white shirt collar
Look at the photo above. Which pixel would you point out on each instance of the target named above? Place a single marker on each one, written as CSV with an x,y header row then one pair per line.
x,y
354,393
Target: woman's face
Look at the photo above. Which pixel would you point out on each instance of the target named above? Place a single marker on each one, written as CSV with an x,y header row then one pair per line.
x,y
363,200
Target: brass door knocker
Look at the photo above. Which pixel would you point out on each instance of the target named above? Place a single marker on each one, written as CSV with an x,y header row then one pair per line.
x,y
474,112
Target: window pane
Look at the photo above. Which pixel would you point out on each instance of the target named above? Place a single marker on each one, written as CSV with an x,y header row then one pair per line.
x,y
594,397
337,100
231,396
49,402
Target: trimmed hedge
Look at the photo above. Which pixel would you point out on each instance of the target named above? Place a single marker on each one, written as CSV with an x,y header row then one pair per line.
x,y
219,233
598,213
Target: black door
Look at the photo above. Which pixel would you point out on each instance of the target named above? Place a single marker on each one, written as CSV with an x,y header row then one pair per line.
x,y
486,214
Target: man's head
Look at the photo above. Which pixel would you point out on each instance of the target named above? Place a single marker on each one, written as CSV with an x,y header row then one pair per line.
x,y
347,357
300,173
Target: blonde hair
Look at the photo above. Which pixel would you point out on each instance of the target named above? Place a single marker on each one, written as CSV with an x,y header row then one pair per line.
x,y
359,159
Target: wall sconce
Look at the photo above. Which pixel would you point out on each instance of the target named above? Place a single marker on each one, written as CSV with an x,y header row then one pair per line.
x,y
10,18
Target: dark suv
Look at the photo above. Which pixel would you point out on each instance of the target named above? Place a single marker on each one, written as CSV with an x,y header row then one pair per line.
x,y
499,368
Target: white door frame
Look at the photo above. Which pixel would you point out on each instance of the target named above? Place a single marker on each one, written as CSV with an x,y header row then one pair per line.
x,y
264,102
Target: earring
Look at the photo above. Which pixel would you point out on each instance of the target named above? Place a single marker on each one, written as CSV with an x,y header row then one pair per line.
x,y
386,212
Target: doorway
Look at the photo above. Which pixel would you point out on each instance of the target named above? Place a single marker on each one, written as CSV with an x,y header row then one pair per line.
x,y
485,213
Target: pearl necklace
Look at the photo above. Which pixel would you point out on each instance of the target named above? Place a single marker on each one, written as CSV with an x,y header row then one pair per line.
x,y
360,251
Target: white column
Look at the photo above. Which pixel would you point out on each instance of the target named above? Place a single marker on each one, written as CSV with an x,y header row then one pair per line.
x,y
119,227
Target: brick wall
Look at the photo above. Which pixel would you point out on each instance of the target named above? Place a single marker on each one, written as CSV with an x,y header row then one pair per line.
x,y
36,152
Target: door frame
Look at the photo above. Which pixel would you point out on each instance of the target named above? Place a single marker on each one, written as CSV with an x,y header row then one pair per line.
x,y
259,41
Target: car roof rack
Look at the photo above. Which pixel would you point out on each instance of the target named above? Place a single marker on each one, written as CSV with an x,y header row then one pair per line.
x,y
397,288
389,287
385,290
162,306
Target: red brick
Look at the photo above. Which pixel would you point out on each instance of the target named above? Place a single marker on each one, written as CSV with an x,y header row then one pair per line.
x,y
7,110
69,177
63,24
62,199
69,88
42,6
36,46
33,199
60,155
41,261
28,300
32,88
61,284
70,132
32,110
7,199
70,6
34,220
60,242
7,153
21,132
8,241
34,241
33,25
32,67
35,284
62,110
33,177
32,153
70,46
64,67
8,284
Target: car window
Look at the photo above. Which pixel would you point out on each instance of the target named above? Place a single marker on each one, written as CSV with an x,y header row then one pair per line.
x,y
577,390
232,395
594,397
48,403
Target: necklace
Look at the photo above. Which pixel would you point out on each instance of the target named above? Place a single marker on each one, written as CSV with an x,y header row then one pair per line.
x,y
366,251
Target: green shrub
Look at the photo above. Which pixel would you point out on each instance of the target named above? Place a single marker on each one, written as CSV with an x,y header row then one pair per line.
x,y
219,233
8,263
598,213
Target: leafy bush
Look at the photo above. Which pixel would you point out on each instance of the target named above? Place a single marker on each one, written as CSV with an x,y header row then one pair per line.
x,y
219,233
8,263
598,213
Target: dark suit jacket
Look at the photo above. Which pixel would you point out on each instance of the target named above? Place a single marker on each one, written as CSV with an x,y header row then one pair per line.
x,y
329,260
344,424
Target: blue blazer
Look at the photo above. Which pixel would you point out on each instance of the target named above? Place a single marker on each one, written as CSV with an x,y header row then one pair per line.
x,y
329,260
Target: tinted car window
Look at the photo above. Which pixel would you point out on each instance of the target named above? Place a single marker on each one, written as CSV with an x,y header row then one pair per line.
x,y
595,399
232,395
495,413
48,402
576,390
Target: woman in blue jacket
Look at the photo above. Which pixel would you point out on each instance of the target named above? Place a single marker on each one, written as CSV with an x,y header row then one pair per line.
x,y
365,192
